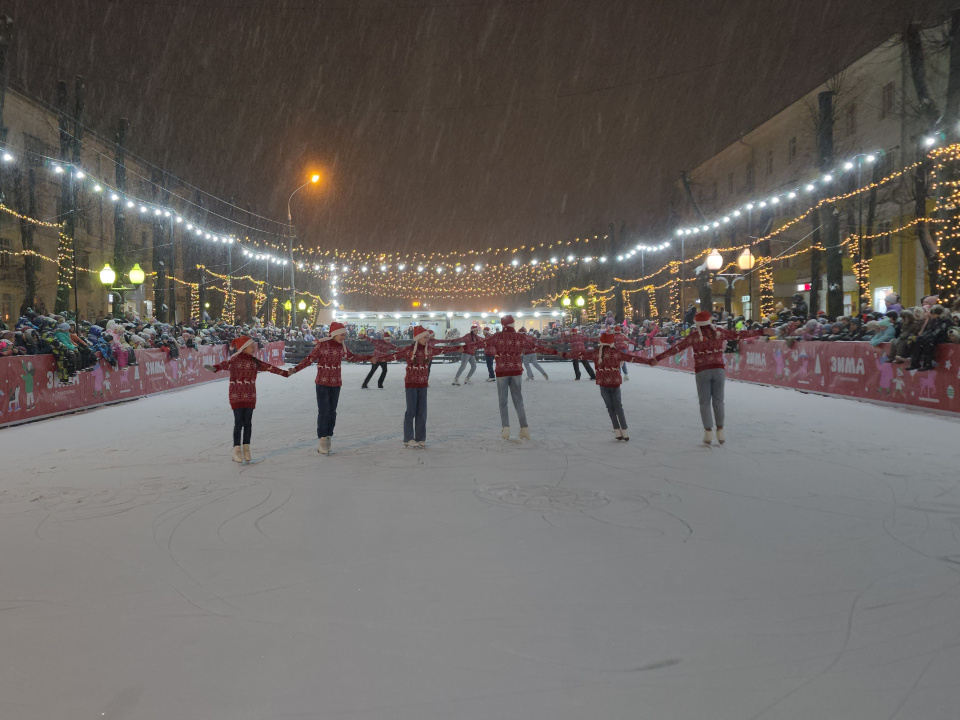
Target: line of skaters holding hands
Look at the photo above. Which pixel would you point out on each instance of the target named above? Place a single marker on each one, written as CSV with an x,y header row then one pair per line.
x,y
507,348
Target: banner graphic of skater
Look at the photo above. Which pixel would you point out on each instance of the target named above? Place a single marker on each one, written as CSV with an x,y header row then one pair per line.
x,y
30,388
848,369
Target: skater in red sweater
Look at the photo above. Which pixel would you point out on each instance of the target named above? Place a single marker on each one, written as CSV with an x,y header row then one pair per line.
x,y
607,359
510,347
418,357
328,353
244,366
707,342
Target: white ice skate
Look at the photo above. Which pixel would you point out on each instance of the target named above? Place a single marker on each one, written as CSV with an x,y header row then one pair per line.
x,y
505,433
324,446
491,379
708,436
624,436
617,434
410,444
720,438
467,382
237,454
524,433
626,378
456,383
546,377
422,444
246,453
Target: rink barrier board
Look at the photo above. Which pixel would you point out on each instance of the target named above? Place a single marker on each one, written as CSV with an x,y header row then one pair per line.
x,y
843,369
30,389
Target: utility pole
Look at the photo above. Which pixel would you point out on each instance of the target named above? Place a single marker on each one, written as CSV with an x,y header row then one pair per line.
x,y
157,255
120,242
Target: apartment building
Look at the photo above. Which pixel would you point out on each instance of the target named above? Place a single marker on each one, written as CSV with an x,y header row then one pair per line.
x,y
875,129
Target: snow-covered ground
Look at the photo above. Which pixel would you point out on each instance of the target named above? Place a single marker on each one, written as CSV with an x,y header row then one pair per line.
x,y
809,569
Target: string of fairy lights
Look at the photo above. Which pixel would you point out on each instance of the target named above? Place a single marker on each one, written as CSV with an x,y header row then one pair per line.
x,y
519,269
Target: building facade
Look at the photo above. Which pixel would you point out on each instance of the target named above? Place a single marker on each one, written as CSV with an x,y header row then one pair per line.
x,y
773,174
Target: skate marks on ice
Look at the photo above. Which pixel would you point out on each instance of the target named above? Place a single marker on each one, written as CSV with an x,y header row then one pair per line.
x,y
642,511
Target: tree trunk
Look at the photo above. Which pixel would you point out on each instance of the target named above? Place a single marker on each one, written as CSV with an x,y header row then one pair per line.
x,y
814,304
831,225
65,211
952,111
26,200
918,72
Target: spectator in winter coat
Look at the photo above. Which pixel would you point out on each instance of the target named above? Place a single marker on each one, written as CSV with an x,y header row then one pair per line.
x,y
799,308
933,332
883,331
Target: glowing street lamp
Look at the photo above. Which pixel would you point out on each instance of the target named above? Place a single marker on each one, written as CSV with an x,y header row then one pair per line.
x,y
107,276
314,179
136,274
714,260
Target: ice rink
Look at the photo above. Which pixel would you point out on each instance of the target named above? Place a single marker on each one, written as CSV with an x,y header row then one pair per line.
x,y
809,569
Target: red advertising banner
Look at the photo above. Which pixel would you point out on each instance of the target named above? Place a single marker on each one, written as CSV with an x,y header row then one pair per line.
x,y
30,389
846,369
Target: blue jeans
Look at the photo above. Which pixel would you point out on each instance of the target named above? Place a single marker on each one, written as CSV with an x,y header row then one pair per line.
x,y
327,399
416,414
490,366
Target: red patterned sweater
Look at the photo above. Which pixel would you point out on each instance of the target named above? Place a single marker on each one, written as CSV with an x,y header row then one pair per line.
x,y
607,369
471,341
418,364
328,355
382,349
243,378
510,346
708,347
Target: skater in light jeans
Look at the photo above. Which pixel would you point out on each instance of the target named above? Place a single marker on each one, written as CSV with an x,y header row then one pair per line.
x,y
511,384
530,362
710,392
464,361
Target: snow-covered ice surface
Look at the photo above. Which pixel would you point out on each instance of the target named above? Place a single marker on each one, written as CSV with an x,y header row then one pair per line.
x,y
809,569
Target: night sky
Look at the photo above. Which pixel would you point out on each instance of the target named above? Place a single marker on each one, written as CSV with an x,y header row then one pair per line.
x,y
441,125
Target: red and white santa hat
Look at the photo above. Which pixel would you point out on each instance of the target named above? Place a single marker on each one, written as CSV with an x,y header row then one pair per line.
x,y
606,338
523,330
240,344
336,328
703,318
506,320
419,331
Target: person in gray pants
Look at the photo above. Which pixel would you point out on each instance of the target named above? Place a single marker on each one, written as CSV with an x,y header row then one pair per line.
x,y
511,384
464,361
710,392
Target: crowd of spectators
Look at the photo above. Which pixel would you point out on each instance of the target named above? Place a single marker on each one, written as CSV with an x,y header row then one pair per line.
x,y
899,334
114,340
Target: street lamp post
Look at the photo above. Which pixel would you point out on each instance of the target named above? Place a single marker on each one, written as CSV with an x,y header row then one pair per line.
x,y
290,233
108,277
